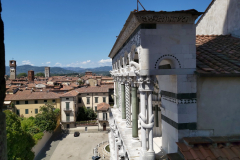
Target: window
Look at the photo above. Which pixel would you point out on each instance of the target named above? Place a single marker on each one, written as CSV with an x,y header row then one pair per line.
x,y
88,107
53,100
79,100
36,111
88,100
67,98
96,99
67,105
45,101
103,116
18,112
67,117
87,94
95,108
96,94
26,102
104,99
26,111
36,101
17,102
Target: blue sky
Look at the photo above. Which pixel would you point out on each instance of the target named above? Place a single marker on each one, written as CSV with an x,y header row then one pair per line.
x,y
72,33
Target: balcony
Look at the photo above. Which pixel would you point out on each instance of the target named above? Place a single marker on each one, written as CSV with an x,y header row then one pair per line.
x,y
67,110
67,120
103,119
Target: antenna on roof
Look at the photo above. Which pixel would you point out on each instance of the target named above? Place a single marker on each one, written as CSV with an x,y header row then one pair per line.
x,y
138,2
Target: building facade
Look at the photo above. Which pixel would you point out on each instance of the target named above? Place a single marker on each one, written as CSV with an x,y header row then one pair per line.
x,y
31,76
103,115
27,103
13,65
47,72
153,47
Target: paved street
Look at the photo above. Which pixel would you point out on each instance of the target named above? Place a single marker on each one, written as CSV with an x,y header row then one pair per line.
x,y
68,147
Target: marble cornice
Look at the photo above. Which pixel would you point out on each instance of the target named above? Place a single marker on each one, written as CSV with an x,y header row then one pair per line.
x,y
147,17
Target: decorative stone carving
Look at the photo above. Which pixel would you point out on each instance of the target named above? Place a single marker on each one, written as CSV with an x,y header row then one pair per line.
x,y
164,18
128,107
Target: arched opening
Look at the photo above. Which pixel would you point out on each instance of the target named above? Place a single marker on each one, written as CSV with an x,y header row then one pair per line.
x,y
127,61
136,57
104,126
165,64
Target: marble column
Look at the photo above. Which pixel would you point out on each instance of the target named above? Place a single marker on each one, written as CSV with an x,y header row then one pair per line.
x,y
119,97
146,118
134,112
150,122
128,106
123,101
115,93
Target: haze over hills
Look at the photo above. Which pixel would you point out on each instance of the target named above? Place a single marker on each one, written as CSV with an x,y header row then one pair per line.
x,y
59,70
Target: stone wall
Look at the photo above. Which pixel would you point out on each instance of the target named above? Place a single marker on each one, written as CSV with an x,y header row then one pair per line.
x,y
222,17
41,143
218,103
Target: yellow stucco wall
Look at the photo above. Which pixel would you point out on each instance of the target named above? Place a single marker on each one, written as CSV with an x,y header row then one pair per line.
x,y
31,106
94,104
92,82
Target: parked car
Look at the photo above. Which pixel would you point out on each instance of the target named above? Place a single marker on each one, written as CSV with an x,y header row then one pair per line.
x,y
76,134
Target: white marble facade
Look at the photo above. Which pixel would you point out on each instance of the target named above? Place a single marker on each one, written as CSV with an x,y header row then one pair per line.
x,y
154,46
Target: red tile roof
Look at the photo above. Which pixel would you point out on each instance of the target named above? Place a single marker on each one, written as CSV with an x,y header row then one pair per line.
x,y
70,94
218,55
217,148
31,95
93,89
103,106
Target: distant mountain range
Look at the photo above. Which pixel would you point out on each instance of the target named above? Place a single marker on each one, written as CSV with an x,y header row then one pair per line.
x,y
59,70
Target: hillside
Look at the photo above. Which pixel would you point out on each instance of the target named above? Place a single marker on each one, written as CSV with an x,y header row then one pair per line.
x,y
58,70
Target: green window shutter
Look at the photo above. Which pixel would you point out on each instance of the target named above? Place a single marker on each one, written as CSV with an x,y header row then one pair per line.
x,y
95,109
67,105
36,111
68,117
26,111
88,100
104,99
96,99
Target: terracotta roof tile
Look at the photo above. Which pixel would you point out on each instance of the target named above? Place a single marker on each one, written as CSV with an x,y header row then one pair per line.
x,y
31,95
103,106
70,94
218,55
199,148
93,90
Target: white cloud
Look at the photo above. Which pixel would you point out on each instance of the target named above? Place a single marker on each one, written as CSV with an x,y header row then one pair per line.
x,y
105,62
58,64
85,62
27,62
48,62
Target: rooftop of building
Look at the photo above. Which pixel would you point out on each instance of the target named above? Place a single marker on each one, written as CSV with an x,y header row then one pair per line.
x,y
135,19
103,106
31,95
219,148
218,55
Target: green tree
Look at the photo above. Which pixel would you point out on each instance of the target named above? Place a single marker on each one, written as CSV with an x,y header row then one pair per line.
x,y
22,75
40,74
85,114
91,115
19,142
46,120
